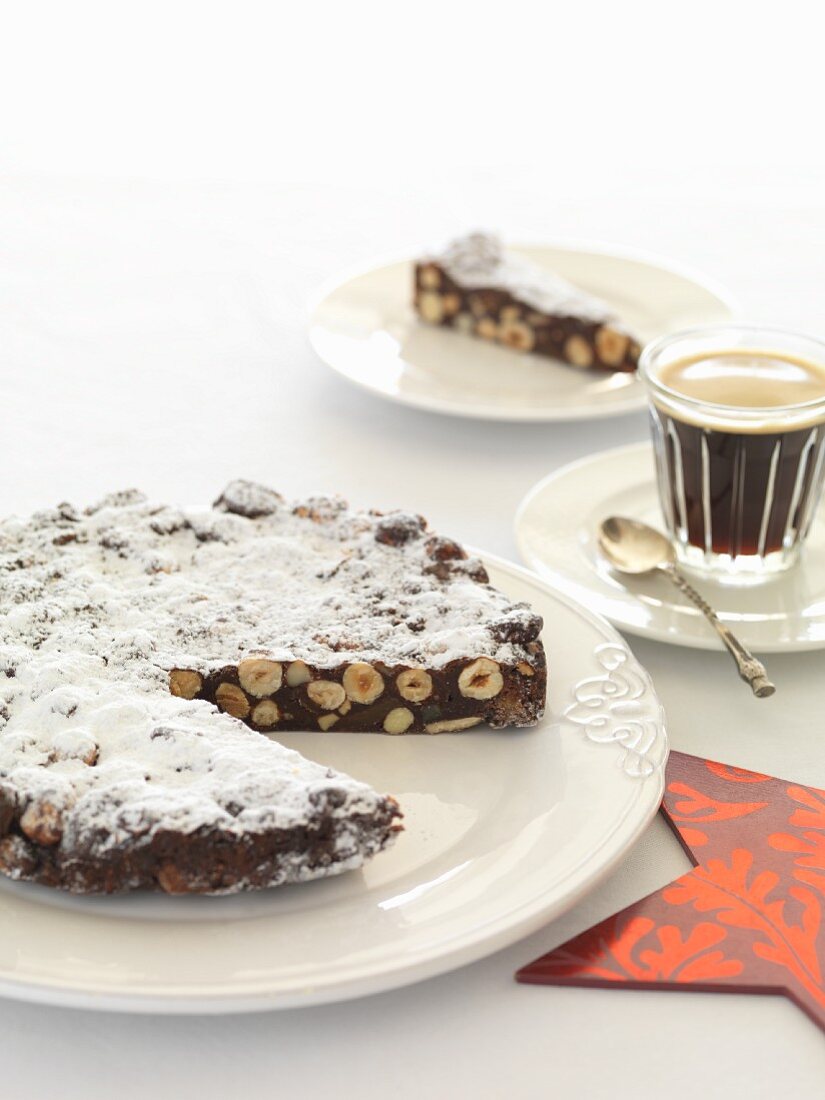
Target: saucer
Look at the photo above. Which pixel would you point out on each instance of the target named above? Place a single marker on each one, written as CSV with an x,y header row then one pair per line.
x,y
556,528
362,325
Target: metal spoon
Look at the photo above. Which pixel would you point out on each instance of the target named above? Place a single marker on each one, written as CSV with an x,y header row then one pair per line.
x,y
633,547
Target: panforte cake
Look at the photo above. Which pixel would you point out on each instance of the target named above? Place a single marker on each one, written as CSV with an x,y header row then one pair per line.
x,y
145,650
477,287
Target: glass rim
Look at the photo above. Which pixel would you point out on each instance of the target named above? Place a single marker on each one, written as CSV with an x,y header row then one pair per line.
x,y
656,347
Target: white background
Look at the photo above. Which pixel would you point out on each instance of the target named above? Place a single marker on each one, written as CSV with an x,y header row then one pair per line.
x,y
174,180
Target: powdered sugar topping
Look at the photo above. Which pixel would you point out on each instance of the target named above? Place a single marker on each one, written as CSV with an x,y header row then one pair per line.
x,y
96,607
480,260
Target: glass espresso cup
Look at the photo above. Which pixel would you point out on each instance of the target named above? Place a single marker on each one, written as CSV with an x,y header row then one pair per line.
x,y
738,421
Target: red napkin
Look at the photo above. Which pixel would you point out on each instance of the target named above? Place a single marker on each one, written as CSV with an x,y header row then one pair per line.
x,y
747,919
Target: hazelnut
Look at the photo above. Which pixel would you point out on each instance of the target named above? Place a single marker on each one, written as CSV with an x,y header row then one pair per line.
x,y
171,880
414,684
266,713
297,674
231,699
611,346
578,351
41,822
431,306
363,683
260,676
515,334
398,720
429,277
481,680
326,694
451,725
185,683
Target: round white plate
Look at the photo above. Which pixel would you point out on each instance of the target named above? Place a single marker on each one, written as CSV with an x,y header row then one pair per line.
x,y
503,831
364,327
556,533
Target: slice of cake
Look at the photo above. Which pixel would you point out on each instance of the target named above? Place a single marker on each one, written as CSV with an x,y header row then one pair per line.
x,y
127,629
479,288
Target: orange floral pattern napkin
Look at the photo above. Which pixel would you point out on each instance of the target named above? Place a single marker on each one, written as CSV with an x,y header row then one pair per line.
x,y
747,919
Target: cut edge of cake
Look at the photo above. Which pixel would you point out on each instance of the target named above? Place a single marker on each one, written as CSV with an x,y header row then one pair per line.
x,y
384,695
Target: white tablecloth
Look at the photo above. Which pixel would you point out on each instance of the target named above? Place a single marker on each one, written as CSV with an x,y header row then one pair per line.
x,y
152,335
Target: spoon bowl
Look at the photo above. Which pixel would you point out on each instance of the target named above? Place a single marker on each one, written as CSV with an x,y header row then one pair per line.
x,y
633,547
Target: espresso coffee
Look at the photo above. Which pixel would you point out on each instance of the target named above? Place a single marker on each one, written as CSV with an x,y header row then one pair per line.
x,y
740,458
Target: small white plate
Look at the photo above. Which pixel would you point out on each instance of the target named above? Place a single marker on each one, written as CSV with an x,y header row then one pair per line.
x,y
556,533
503,831
363,326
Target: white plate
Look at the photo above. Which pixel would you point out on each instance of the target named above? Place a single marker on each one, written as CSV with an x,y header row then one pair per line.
x,y
364,327
503,830
556,527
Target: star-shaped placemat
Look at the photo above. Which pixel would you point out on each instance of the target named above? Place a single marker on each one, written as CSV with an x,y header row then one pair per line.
x,y
747,919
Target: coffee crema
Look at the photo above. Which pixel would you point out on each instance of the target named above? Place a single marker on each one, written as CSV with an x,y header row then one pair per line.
x,y
745,379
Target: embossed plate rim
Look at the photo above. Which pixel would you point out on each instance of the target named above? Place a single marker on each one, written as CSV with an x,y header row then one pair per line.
x,y
440,924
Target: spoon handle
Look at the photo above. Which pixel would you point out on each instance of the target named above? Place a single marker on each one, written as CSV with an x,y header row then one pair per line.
x,y
751,670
